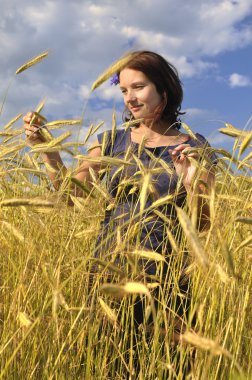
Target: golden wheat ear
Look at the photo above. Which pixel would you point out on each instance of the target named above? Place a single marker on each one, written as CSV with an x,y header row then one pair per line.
x,y
32,62
12,121
114,68
41,105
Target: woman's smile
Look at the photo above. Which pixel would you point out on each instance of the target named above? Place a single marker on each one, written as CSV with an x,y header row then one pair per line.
x,y
135,108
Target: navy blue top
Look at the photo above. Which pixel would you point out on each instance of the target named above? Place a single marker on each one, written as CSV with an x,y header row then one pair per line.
x,y
125,184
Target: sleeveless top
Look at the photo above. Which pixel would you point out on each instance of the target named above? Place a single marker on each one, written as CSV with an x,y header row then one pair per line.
x,y
137,182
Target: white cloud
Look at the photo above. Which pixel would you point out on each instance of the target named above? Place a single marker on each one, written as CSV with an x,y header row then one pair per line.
x,y
191,67
238,80
99,10
40,15
197,116
84,37
110,93
219,140
84,91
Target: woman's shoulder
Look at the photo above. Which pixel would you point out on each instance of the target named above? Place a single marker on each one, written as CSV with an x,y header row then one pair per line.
x,y
201,139
197,140
202,142
108,133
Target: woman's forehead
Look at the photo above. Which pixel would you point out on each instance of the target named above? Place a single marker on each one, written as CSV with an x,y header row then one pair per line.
x,y
130,75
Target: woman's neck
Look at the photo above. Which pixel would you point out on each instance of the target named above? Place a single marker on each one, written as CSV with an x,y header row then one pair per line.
x,y
158,135
152,130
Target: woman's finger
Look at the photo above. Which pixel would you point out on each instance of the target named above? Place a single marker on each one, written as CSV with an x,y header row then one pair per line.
x,y
176,156
28,116
27,119
31,131
31,127
194,155
184,150
33,122
32,135
179,149
34,118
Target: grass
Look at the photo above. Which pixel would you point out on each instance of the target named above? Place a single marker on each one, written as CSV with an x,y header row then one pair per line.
x,y
58,321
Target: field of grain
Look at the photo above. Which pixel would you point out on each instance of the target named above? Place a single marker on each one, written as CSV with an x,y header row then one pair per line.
x,y
58,320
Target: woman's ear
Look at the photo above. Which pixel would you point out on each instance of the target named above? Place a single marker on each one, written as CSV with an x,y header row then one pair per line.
x,y
164,100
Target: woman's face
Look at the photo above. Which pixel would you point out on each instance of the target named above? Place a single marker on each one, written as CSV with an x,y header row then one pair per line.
x,y
139,93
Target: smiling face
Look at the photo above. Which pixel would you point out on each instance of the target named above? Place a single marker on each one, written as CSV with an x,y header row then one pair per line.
x,y
140,94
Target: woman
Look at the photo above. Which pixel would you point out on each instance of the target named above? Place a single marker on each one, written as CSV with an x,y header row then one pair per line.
x,y
160,161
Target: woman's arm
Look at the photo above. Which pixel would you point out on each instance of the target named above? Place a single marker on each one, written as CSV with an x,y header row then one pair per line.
x,y
57,171
202,186
198,181
55,167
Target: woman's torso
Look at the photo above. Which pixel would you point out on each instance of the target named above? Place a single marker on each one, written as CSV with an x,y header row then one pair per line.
x,y
138,186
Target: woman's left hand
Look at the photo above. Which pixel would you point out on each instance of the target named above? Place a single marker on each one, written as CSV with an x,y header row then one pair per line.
x,y
183,166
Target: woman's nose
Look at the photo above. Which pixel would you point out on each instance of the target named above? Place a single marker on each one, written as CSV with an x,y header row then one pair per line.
x,y
131,96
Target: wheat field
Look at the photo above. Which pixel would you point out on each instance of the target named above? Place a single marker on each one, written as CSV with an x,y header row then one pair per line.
x,y
59,320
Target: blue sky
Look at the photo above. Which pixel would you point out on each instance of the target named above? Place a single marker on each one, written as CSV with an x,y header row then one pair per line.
x,y
209,41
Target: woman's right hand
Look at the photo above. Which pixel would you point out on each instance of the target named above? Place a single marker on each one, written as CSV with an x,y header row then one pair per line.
x,y
32,125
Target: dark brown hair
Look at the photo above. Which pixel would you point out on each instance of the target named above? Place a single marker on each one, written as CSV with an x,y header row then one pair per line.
x,y
165,77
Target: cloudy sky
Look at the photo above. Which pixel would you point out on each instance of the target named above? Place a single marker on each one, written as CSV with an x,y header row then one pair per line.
x,y
209,41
